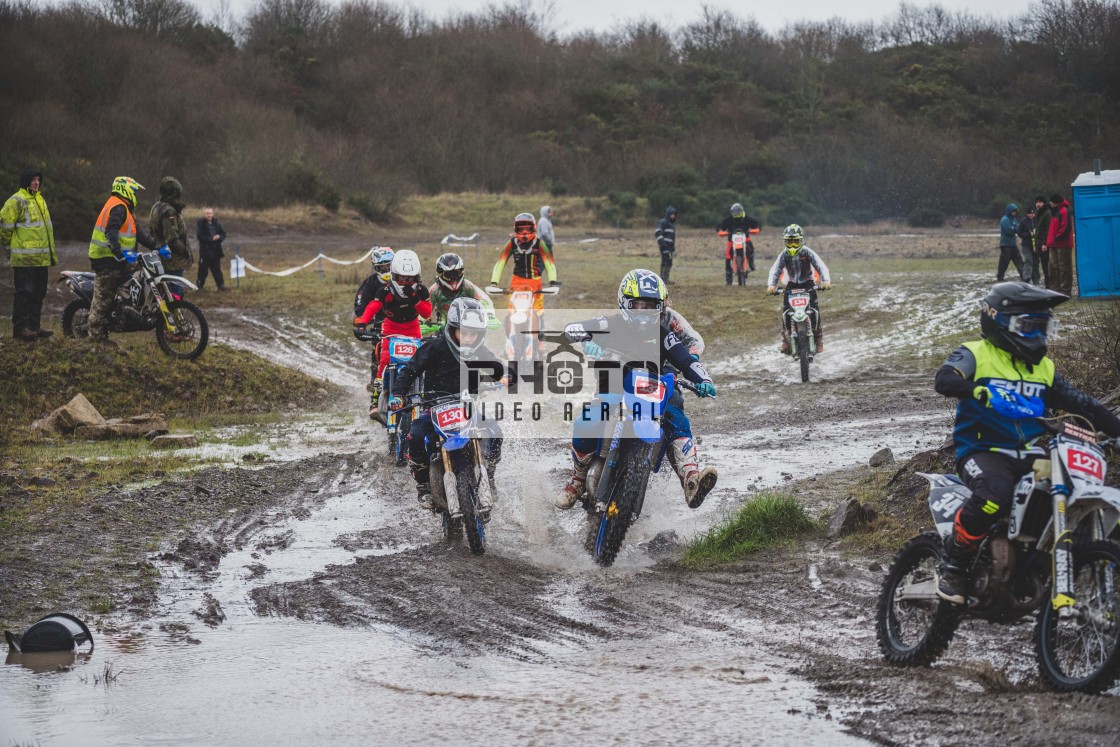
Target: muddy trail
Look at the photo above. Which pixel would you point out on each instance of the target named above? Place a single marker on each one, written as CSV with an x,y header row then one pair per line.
x,y
335,610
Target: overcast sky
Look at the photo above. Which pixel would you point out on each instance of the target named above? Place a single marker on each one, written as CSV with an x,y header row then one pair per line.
x,y
602,15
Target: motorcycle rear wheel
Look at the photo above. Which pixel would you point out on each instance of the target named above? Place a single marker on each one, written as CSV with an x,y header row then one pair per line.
x,y
914,632
75,319
803,353
627,493
473,525
1082,653
192,333
398,440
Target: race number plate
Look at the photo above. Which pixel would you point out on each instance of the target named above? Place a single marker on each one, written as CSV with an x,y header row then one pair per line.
x,y
449,417
798,301
647,387
401,349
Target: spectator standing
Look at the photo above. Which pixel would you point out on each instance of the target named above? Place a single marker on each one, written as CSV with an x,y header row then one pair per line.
x,y
1026,236
1008,244
27,236
167,226
666,235
1040,257
1059,242
210,235
545,230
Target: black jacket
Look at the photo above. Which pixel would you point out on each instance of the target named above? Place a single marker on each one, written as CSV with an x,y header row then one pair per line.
x,y
439,366
208,248
744,224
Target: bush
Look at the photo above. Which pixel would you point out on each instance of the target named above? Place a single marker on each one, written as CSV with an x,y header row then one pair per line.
x,y
555,187
329,197
301,182
926,217
1088,352
375,209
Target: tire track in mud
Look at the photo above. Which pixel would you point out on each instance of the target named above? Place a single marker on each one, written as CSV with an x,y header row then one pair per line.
x,y
811,609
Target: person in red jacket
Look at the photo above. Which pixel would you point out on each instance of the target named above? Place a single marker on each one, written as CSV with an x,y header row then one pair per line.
x,y
403,300
1059,243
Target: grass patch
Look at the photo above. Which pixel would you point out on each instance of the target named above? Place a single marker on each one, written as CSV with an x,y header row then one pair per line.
x,y
768,520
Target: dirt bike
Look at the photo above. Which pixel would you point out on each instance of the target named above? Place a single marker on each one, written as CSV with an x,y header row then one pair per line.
x,y
1053,552
398,423
462,493
635,446
523,323
143,302
799,320
736,255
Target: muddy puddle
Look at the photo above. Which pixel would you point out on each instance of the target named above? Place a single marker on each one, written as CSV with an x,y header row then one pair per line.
x,y
340,615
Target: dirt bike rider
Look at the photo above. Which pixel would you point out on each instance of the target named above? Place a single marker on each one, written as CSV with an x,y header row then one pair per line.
x,y
403,300
994,451
532,261
381,260
644,290
450,284
439,362
799,261
738,220
112,251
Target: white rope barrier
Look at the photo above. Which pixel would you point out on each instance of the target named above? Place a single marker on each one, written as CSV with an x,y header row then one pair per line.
x,y
292,270
453,240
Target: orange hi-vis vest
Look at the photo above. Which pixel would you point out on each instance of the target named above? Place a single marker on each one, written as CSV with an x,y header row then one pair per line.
x,y
99,244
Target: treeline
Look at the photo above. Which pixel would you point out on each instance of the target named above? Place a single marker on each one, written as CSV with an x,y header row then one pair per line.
x,y
930,113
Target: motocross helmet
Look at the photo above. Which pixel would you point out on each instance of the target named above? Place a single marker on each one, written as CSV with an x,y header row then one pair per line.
x,y
524,232
382,261
1016,317
794,236
126,188
465,330
404,271
449,272
737,211
642,290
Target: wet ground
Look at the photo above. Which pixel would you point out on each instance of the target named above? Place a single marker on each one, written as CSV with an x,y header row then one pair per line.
x,y
328,608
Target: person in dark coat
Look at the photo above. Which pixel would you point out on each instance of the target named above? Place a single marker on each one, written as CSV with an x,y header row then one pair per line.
x,y
1041,258
1026,236
210,237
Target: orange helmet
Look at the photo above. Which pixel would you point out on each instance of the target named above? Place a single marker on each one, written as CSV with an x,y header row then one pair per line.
x,y
524,230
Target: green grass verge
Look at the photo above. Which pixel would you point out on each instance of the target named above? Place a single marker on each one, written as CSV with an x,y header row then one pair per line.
x,y
768,520
138,378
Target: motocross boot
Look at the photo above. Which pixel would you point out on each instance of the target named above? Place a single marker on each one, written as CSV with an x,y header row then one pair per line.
x,y
697,483
573,491
424,495
665,273
787,347
818,338
728,274
960,549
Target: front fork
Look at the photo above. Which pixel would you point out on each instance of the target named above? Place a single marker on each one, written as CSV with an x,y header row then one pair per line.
x,y
161,295
1062,593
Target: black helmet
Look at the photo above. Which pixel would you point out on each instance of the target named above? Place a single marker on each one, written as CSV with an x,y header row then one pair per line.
x,y
465,315
1016,317
449,272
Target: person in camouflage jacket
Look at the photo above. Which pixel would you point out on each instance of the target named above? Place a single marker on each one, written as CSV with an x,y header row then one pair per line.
x,y
167,226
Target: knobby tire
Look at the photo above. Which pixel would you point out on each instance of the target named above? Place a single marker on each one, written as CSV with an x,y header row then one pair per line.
x,y
1106,555
943,622
188,317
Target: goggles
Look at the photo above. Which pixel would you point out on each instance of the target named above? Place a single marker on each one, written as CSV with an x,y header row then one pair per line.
x,y
794,243
643,304
405,279
451,276
1030,326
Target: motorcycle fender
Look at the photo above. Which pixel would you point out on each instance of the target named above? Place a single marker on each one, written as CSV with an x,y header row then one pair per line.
x,y
177,279
456,441
648,430
1097,497
946,495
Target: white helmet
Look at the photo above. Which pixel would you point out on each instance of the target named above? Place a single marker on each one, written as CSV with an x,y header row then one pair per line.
x,y
405,270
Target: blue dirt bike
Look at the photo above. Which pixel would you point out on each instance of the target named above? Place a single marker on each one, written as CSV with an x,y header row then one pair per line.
x,y
398,423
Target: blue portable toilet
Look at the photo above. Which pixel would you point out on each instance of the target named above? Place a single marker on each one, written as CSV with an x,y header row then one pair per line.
x,y
1096,224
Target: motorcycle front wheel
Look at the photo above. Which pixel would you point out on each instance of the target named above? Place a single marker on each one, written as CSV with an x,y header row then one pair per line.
x,y
75,319
399,438
473,524
914,626
191,333
1082,652
624,501
803,353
